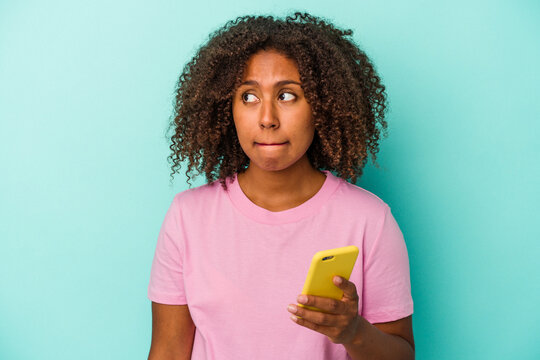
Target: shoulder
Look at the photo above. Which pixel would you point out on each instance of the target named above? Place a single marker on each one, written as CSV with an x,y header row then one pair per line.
x,y
357,199
199,192
200,195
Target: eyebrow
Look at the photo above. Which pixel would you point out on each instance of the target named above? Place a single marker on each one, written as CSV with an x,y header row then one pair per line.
x,y
279,83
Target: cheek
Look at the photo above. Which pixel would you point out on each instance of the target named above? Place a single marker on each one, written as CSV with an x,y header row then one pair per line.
x,y
237,115
308,126
237,119
310,134
241,131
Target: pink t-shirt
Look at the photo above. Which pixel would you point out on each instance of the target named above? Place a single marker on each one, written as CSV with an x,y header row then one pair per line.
x,y
238,266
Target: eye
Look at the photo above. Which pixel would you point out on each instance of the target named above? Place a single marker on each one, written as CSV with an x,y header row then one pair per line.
x,y
283,96
245,97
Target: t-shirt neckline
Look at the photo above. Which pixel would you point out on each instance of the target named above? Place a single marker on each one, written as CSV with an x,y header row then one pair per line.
x,y
260,214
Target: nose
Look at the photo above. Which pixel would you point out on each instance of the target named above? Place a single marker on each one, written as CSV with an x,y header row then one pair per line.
x,y
268,117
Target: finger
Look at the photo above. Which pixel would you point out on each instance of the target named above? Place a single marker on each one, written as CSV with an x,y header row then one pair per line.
x,y
317,317
348,287
329,331
327,305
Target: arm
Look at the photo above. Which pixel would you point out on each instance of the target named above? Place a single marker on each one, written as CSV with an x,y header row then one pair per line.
x,y
173,332
391,340
340,322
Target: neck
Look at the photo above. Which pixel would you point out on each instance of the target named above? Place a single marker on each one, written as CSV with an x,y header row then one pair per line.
x,y
281,189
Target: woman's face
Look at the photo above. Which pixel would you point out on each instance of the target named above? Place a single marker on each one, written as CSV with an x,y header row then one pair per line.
x,y
269,108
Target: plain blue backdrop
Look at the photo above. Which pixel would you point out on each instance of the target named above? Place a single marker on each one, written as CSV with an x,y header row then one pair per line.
x,y
86,91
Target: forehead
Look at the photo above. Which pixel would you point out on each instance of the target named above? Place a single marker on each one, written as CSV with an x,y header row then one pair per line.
x,y
270,64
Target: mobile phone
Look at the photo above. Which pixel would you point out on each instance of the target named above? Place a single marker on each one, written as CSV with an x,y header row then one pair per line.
x,y
324,266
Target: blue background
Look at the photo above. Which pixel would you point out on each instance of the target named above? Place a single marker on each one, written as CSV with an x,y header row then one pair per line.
x,y
86,92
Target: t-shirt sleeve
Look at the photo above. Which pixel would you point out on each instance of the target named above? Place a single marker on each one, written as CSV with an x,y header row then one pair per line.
x,y
166,276
386,294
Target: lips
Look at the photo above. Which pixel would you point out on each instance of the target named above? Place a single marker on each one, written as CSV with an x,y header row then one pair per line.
x,y
271,144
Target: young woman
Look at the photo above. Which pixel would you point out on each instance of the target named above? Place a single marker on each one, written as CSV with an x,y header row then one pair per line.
x,y
266,109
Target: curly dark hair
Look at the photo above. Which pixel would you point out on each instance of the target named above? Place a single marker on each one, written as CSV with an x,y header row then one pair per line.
x,y
346,96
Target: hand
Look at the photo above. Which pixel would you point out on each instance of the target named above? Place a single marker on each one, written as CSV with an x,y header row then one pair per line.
x,y
339,321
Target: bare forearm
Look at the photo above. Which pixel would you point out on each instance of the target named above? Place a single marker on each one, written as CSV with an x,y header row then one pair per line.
x,y
372,343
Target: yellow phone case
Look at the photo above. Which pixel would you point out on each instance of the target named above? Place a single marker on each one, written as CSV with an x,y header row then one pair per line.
x,y
324,266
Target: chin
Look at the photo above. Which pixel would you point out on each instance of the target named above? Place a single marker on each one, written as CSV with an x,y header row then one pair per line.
x,y
274,164
273,168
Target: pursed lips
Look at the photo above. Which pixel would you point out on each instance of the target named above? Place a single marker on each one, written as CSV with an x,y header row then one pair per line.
x,y
272,144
